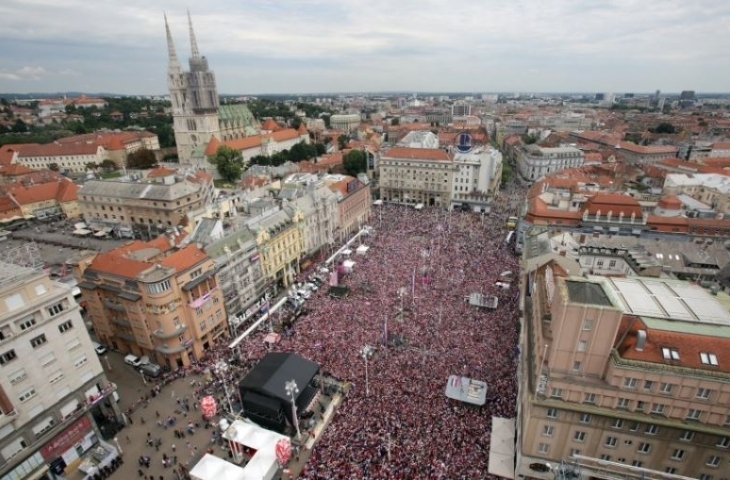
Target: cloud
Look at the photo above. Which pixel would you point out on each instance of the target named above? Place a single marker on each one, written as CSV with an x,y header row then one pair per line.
x,y
24,73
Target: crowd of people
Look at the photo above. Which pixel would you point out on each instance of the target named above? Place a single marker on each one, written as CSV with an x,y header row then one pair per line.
x,y
407,300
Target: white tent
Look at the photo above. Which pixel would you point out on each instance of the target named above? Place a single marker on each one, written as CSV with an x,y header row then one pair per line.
x,y
502,449
211,467
378,202
419,206
347,252
362,249
80,226
348,264
81,232
263,464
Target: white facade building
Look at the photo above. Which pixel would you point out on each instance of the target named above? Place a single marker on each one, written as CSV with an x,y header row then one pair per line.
x,y
534,162
477,178
419,139
346,122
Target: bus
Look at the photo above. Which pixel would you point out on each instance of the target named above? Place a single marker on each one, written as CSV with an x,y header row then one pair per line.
x,y
512,222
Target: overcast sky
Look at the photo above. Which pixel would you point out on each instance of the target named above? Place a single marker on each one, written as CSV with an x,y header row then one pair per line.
x,y
305,46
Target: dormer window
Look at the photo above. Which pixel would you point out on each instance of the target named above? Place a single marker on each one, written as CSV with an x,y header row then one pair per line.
x,y
670,353
708,358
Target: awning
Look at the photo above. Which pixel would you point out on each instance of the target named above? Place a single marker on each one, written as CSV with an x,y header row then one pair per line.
x,y
636,231
613,229
80,226
347,252
11,219
29,217
100,233
502,447
81,232
378,202
598,228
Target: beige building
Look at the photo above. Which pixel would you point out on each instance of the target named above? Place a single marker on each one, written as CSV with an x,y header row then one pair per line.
x,y
280,242
353,202
417,175
346,122
620,375
148,205
158,298
711,189
51,380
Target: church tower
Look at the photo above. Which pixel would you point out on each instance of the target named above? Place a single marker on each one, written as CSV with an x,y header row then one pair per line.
x,y
194,97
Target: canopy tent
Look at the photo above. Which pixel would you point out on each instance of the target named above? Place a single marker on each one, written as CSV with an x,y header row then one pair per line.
x,y
101,233
466,390
419,206
81,232
80,226
347,252
377,202
347,265
502,447
211,467
362,249
263,441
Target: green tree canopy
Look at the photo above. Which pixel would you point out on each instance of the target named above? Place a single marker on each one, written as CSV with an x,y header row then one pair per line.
x,y
229,163
342,141
664,127
142,158
108,165
53,166
355,161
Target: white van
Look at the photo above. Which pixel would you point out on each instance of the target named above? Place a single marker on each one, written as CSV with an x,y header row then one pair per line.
x,y
132,360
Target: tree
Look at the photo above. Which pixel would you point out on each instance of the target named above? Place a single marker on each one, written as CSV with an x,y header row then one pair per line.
x,y
142,158
229,163
108,165
395,121
19,126
506,173
342,141
530,139
665,127
320,148
355,161
53,166
91,165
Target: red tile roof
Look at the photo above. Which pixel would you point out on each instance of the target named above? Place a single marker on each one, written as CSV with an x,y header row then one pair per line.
x,y
417,153
160,172
58,149
61,190
615,203
14,170
185,258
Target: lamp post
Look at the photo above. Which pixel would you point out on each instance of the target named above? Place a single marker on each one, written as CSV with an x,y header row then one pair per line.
x,y
119,449
144,379
292,389
221,370
367,353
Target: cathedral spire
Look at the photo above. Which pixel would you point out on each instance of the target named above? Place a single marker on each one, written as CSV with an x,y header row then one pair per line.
x,y
171,54
193,42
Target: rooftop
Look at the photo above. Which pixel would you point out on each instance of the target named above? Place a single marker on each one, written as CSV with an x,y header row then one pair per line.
x,y
587,293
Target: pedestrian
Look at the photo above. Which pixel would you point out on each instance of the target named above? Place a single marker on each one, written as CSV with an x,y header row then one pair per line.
x,y
173,448
128,440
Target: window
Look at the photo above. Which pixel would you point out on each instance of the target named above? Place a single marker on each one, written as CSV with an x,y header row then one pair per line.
x,y
670,470
582,345
612,263
630,382
7,357
27,394
704,476
648,384
644,447
670,353
587,325
579,436
73,343
14,301
713,461
543,448
724,442
556,393
605,457
47,359
589,398
202,325
584,418
651,429
552,413
703,393
574,452
576,366
27,323
640,405
610,442
55,377
617,423
694,414
17,376
80,361
548,430
159,287
658,408
666,388
54,310
38,341
708,358
40,289
623,403
677,454
65,326
637,463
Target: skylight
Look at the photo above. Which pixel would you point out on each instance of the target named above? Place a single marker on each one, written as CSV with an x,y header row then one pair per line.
x,y
670,353
708,358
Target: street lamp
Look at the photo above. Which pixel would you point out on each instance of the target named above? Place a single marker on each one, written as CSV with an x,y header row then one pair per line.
x,y
119,449
292,389
221,370
367,353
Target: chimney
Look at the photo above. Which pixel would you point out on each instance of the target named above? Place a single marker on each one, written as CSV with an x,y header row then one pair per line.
x,y
640,340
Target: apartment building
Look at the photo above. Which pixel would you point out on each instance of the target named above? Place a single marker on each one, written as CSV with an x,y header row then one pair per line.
x,y
319,207
622,374
67,158
51,382
47,200
417,175
534,161
477,178
280,242
158,298
143,204
353,202
711,189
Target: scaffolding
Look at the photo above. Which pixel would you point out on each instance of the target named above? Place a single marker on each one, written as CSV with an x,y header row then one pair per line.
x,y
20,262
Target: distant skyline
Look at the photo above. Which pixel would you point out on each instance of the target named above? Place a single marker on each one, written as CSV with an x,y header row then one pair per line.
x,y
309,46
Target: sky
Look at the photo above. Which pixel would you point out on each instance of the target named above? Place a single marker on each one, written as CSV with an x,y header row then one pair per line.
x,y
318,46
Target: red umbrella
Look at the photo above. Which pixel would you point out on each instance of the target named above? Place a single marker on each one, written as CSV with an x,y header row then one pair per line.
x,y
208,406
283,451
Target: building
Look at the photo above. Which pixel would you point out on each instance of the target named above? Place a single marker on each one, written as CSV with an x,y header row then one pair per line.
x,y
535,162
64,157
477,178
345,122
266,144
416,175
712,189
117,145
625,371
52,385
280,242
419,139
142,204
47,200
158,298
720,149
320,207
353,202
196,110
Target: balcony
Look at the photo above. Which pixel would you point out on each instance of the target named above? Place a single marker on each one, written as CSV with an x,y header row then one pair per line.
x,y
163,335
126,336
122,322
113,305
200,301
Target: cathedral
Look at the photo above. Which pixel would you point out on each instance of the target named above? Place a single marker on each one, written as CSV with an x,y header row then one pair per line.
x,y
197,113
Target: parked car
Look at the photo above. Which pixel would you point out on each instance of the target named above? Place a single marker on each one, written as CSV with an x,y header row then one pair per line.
x,y
132,360
98,348
151,370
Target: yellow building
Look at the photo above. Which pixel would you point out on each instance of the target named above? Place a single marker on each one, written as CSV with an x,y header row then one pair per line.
x,y
50,199
280,241
158,298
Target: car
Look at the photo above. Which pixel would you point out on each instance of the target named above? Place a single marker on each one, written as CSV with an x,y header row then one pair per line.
x,y
98,348
151,370
132,360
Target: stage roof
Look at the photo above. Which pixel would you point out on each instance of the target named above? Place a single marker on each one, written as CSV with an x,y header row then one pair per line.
x,y
502,447
277,368
466,390
211,467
